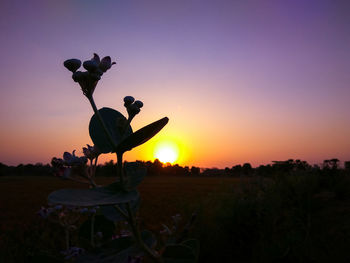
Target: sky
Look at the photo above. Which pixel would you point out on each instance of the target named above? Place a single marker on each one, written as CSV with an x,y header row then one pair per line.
x,y
241,81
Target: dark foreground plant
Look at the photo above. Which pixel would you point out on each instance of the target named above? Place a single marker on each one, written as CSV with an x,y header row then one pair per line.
x,y
118,202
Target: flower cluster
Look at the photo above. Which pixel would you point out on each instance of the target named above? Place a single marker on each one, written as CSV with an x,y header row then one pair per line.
x,y
88,79
91,152
72,167
133,107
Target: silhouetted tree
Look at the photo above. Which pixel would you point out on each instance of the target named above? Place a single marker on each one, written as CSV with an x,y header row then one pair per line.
x,y
247,169
195,170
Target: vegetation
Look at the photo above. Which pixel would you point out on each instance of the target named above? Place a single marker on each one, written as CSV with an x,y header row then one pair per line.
x,y
288,216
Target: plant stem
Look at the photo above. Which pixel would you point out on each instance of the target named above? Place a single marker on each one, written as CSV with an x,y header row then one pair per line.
x,y
120,167
137,235
109,136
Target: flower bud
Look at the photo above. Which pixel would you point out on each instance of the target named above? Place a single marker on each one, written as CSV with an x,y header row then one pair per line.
x,y
96,58
106,63
78,76
72,64
99,72
128,100
95,77
133,110
90,65
138,104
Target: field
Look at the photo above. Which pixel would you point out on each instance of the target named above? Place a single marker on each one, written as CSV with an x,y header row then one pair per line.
x,y
246,220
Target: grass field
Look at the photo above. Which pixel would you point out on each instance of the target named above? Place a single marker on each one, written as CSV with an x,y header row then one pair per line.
x,y
297,219
22,196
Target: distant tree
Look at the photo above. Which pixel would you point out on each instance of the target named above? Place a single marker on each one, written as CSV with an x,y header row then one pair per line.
x,y
347,166
331,164
247,169
334,163
195,170
236,170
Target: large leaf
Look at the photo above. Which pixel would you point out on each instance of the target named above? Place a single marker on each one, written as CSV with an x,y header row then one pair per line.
x,y
142,135
114,121
108,195
178,254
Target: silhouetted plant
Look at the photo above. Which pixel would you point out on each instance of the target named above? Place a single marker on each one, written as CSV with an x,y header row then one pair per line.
x,y
111,132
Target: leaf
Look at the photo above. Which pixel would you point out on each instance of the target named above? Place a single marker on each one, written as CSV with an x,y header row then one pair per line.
x,y
178,254
108,195
142,135
194,245
114,122
134,172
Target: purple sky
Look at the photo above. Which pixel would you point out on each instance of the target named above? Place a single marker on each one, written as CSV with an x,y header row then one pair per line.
x,y
241,81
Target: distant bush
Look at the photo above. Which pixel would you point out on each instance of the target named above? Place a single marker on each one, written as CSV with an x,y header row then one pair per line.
x,y
291,218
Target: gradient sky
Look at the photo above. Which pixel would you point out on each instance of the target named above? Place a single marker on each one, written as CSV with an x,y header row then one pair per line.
x,y
241,81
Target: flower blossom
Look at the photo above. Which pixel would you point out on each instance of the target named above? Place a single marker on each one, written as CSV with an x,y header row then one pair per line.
x,y
91,152
88,79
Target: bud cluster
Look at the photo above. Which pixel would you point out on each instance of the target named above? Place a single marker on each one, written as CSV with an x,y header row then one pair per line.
x,y
133,107
95,68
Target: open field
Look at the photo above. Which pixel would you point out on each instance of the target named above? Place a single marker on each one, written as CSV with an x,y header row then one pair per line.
x,y
292,219
22,196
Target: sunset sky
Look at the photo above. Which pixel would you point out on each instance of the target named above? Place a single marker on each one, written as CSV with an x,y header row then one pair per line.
x,y
241,81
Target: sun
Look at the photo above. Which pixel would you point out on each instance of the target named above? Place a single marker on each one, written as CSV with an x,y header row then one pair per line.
x,y
166,152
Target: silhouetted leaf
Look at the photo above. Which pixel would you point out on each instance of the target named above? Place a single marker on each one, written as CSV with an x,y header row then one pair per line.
x,y
114,121
178,254
108,195
142,135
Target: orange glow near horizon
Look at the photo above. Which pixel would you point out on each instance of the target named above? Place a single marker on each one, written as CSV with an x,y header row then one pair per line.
x,y
166,152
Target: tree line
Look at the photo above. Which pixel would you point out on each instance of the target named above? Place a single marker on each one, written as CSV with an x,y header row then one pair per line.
x,y
158,168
